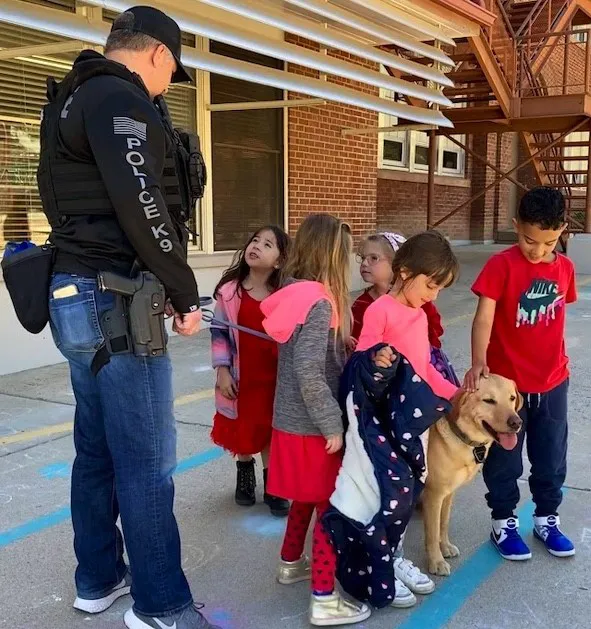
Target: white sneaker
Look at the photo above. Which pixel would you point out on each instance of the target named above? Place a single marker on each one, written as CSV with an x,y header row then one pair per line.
x,y
98,605
415,580
404,597
190,618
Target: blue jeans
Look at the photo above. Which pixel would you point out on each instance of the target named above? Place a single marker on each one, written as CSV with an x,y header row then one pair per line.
x,y
125,439
546,430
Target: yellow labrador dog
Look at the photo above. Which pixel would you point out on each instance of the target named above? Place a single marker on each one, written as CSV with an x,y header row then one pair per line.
x,y
457,446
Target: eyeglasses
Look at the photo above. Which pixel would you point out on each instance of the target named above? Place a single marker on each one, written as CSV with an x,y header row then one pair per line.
x,y
371,260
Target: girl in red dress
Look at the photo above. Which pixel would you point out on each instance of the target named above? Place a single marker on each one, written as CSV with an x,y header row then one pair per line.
x,y
247,364
310,319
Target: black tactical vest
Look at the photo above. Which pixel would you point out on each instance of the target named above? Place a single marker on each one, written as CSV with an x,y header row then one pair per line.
x,y
73,188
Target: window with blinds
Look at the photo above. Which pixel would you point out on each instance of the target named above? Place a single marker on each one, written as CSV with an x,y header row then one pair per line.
x,y
247,155
22,95
62,5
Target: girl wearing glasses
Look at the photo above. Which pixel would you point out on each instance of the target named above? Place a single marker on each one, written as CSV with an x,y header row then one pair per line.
x,y
375,256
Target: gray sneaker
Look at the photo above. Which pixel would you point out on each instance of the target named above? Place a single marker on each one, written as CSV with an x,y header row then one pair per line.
x,y
98,605
190,618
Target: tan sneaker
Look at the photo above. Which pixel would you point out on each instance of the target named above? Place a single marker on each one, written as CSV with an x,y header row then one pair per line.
x,y
294,571
333,610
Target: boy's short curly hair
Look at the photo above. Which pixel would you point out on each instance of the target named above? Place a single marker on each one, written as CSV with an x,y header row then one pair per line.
x,y
543,206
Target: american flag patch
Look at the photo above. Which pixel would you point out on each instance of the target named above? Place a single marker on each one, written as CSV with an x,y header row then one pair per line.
x,y
122,125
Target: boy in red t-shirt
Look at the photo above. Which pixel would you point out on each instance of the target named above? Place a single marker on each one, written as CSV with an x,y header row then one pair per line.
x,y
518,332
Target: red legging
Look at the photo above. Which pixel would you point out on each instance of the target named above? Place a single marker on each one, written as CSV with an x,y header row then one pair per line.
x,y
324,559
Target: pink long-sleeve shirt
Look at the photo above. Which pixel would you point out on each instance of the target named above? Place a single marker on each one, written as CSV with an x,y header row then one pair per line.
x,y
406,329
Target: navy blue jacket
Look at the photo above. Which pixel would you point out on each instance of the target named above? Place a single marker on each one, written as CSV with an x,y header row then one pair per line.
x,y
387,410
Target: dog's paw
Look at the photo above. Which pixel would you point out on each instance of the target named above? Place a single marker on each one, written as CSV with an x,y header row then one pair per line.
x,y
449,550
440,567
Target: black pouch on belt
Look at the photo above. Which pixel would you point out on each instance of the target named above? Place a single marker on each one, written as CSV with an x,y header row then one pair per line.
x,y
27,275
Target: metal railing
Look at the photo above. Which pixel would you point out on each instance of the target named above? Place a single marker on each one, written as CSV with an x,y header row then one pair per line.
x,y
501,39
542,17
564,69
539,61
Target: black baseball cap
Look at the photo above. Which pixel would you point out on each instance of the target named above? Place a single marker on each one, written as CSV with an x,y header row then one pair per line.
x,y
156,24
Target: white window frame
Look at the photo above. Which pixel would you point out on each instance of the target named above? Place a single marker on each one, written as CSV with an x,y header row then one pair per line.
x,y
576,179
394,136
410,140
579,38
418,139
447,146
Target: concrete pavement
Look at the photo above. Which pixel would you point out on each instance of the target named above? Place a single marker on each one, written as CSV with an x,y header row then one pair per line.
x,y
230,553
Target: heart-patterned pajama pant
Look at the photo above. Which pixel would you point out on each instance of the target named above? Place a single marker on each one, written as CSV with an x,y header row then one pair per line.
x,y
324,559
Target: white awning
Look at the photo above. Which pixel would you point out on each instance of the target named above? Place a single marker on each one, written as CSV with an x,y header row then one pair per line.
x,y
77,27
403,19
376,29
287,52
267,13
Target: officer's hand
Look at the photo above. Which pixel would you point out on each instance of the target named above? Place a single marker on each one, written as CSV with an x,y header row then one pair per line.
x,y
187,324
168,309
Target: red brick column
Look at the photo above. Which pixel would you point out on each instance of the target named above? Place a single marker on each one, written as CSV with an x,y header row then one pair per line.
x,y
326,171
488,213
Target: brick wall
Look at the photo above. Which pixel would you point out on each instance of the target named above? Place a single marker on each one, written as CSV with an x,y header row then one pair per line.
x,y
331,173
527,174
489,212
402,207
504,161
326,171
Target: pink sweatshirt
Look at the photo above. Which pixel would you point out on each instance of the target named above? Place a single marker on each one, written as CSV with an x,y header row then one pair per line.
x,y
406,329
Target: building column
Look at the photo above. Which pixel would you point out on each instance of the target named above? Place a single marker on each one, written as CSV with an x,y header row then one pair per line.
x,y
588,195
431,178
489,213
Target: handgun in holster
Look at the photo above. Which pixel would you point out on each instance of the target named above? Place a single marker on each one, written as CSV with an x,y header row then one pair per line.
x,y
142,298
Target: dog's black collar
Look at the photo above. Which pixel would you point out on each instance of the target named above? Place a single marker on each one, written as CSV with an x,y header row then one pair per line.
x,y
478,448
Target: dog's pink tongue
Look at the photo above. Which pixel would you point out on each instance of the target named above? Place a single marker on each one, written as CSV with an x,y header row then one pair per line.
x,y
508,440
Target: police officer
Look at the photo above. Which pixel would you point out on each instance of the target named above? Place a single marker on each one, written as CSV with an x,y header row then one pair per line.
x,y
100,177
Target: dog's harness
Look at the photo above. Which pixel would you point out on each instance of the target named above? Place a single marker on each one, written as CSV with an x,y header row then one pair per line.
x,y
478,448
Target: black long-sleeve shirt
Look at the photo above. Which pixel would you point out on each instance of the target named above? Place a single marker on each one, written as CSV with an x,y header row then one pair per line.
x,y
113,123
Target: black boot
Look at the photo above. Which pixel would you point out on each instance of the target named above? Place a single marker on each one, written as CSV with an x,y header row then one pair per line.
x,y
279,506
245,484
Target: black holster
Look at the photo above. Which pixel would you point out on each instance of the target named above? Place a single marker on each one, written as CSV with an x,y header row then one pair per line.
x,y
136,322
115,327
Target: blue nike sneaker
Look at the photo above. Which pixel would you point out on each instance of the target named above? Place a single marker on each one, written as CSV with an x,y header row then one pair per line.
x,y
506,539
547,530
